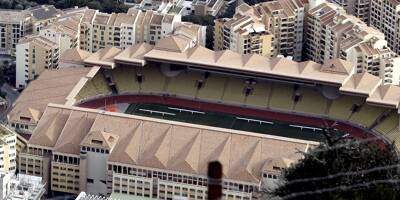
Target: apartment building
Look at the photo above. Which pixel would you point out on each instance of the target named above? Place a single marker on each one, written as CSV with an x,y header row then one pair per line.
x,y
284,19
8,153
64,32
91,31
385,16
207,7
111,153
195,33
331,33
358,8
381,62
13,26
34,55
244,33
100,30
42,16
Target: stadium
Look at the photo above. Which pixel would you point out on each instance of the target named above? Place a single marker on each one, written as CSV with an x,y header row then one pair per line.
x,y
257,98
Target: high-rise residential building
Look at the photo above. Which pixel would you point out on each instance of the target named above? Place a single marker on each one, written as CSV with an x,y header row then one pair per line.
x,y
284,19
8,153
91,30
244,33
42,16
379,61
13,26
34,54
207,7
270,28
331,33
121,30
95,30
385,16
64,32
358,8
17,24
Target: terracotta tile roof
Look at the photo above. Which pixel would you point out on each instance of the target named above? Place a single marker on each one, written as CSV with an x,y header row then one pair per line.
x,y
52,86
361,84
162,144
74,56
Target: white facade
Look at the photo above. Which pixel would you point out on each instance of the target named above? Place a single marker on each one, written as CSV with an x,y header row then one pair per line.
x,y
5,179
284,19
34,55
8,150
357,8
57,36
96,172
343,36
20,187
26,187
22,65
385,16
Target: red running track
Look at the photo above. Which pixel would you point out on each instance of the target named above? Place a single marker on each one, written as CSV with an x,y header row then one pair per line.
x,y
353,130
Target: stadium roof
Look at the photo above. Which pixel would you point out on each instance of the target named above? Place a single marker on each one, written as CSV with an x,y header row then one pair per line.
x,y
62,89
386,94
74,56
52,86
251,64
361,84
103,57
134,54
162,144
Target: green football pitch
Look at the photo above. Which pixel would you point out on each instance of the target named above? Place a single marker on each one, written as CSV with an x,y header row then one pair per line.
x,y
229,121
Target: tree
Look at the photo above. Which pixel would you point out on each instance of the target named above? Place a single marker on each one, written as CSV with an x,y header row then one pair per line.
x,y
94,5
344,169
229,11
252,2
102,5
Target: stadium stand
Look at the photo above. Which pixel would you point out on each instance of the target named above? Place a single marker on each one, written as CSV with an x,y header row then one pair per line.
x,y
260,94
341,108
281,97
184,84
100,84
394,136
234,91
125,79
94,87
153,80
388,124
213,88
87,91
311,101
366,115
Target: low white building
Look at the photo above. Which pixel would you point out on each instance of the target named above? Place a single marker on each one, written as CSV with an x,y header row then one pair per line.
x,y
5,179
8,151
20,187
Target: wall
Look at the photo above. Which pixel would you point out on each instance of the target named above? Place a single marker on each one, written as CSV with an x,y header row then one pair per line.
x,y
96,170
20,65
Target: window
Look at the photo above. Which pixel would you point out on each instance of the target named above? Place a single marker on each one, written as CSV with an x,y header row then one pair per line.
x,y
89,180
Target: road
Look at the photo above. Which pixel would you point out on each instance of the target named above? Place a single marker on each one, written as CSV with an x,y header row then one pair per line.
x,y
12,96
